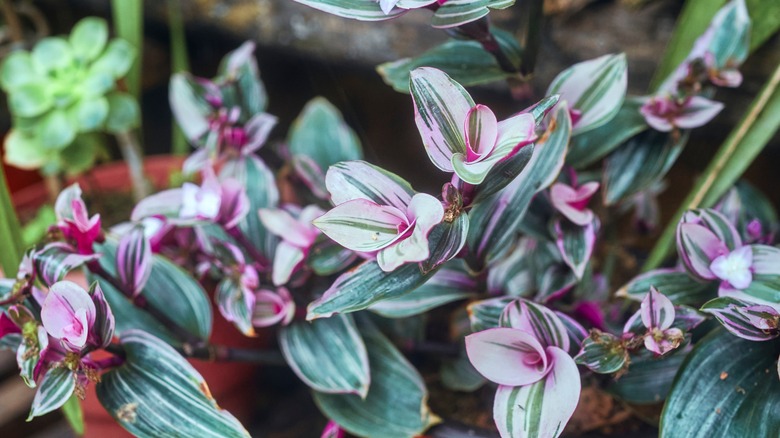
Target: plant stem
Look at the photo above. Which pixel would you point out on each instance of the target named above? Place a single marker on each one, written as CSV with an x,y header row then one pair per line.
x,y
141,302
479,31
739,150
133,155
12,21
10,231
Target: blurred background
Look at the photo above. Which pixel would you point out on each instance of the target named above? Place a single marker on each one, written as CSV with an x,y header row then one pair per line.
x,y
304,53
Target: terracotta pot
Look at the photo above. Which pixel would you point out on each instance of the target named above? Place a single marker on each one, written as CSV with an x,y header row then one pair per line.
x,y
230,383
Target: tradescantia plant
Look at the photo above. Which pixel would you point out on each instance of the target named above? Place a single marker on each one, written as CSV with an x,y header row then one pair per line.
x,y
340,258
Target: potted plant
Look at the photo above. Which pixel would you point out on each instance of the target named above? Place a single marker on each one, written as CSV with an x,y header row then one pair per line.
x,y
341,258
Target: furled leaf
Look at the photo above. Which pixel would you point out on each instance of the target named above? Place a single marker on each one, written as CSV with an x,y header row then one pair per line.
x,y
576,244
236,304
537,320
445,241
726,387
327,354
134,259
396,403
156,392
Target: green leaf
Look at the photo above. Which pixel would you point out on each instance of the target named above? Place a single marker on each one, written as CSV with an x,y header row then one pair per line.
x,y
17,70
676,285
24,151
495,221
396,403
465,61
74,415
80,155
445,242
30,99
486,314
51,54
639,163
458,12
53,391
365,285
88,38
327,354
321,134
648,379
327,258
602,353
116,59
55,130
459,375
503,173
726,387
123,113
156,392
90,114
128,20
591,146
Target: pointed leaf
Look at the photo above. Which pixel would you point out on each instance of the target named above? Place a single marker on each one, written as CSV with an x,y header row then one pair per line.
x,y
236,304
678,286
327,354
445,241
576,245
537,320
507,356
321,134
351,180
54,391
740,318
362,225
602,353
134,259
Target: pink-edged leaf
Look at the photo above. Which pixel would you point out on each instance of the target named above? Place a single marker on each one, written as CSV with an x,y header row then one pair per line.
x,y
481,132
595,88
362,225
56,387
575,244
234,203
445,242
657,311
716,222
257,130
425,212
735,267
602,353
697,112
573,203
475,172
134,259
350,180
287,259
68,314
537,320
540,410
56,259
236,303
284,225
745,319
63,206
273,308
507,356
698,247
166,203
311,174
661,342
103,329
440,109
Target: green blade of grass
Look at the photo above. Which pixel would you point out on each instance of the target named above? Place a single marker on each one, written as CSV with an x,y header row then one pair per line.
x,y
128,18
10,231
179,62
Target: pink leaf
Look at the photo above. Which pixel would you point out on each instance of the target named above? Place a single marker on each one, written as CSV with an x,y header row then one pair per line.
x,y
350,180
481,128
697,247
538,320
362,225
68,313
657,311
572,202
507,356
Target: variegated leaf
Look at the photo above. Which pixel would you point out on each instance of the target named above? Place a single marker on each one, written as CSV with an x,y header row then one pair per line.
x,y
486,314
448,284
321,134
396,403
537,320
156,392
327,258
508,356
594,88
350,180
459,12
327,354
134,259
56,259
576,244
678,286
236,304
363,10
649,378
765,286
540,410
445,241
743,319
494,222
53,391
602,353
365,285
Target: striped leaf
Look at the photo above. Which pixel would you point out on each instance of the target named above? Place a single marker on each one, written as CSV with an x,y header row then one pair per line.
x,y
440,109
744,319
495,221
765,286
236,304
678,286
327,258
156,392
260,184
169,289
503,173
540,410
602,353
56,259
363,10
466,62
576,244
53,391
726,387
459,375
321,134
350,180
639,163
327,354
537,320
361,225
365,285
450,283
595,88
716,222
134,259
486,314
445,242
575,330
649,379
458,12
396,403
588,147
